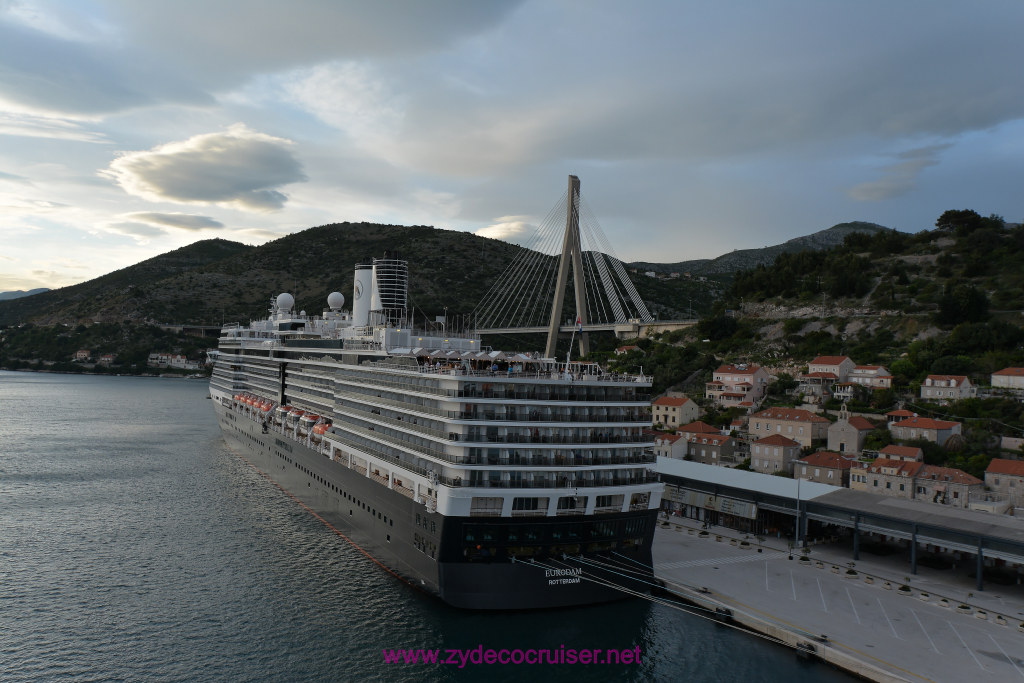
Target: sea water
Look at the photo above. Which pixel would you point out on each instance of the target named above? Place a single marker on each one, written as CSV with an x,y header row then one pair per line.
x,y
136,546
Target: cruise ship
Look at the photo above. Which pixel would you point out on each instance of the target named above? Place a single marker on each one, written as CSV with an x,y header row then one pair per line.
x,y
494,480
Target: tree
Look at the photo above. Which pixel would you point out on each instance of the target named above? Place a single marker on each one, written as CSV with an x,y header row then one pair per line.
x,y
962,303
963,222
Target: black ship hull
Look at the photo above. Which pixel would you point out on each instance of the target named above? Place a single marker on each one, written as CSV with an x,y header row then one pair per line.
x,y
469,562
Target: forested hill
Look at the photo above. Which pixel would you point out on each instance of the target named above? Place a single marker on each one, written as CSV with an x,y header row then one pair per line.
x,y
213,281
959,271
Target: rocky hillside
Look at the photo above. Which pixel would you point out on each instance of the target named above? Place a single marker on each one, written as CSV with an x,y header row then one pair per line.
x,y
744,259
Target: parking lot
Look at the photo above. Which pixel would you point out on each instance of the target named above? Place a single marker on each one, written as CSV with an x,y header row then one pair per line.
x,y
938,630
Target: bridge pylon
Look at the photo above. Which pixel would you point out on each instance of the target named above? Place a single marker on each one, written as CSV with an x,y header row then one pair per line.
x,y
571,256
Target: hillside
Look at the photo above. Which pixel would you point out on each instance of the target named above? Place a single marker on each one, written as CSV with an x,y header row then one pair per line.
x,y
942,301
123,295
18,293
213,281
744,259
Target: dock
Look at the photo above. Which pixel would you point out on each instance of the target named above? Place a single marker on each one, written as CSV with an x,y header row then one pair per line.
x,y
868,617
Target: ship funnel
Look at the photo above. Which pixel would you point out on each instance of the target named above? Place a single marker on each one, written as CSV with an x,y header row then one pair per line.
x,y
361,295
390,291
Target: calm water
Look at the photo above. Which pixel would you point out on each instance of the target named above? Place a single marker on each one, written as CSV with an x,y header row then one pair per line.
x,y
135,546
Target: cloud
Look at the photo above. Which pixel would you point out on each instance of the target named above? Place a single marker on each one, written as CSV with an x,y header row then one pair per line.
x,y
899,178
46,71
49,127
181,221
513,229
239,168
140,231
12,178
349,96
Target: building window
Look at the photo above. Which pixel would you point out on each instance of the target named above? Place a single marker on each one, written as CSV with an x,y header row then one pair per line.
x,y
901,487
888,484
875,483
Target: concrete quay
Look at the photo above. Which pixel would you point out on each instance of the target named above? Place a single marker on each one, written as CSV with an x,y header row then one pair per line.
x,y
941,630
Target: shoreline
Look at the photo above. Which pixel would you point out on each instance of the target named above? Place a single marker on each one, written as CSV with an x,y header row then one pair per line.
x,y
108,374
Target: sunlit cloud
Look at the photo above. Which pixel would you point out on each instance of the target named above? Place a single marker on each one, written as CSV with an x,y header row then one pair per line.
x,y
239,168
513,229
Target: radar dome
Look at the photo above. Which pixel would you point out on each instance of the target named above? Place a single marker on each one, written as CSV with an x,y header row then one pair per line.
x,y
285,302
335,300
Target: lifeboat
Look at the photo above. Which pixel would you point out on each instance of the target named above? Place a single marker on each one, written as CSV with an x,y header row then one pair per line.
x,y
319,430
266,406
280,412
305,422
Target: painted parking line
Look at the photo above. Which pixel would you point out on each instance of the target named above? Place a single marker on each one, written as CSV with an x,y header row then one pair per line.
x,y
1010,659
852,606
822,594
887,618
965,646
930,642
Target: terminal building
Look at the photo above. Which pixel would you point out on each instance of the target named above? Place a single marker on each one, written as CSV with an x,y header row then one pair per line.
x,y
808,512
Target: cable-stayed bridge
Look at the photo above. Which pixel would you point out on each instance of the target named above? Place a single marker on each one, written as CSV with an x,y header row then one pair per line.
x,y
535,295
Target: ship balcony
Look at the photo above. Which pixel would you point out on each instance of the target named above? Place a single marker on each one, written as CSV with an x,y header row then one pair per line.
x,y
554,483
513,415
525,440
542,460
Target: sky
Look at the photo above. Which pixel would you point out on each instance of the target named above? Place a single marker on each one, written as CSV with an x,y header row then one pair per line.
x,y
129,129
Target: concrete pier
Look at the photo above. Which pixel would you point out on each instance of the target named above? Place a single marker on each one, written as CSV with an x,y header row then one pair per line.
x,y
874,619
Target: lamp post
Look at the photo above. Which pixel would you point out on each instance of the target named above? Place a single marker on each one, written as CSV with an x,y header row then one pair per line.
x,y
798,516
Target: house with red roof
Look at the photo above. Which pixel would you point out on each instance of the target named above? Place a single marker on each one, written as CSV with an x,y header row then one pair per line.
x,y
898,415
1011,379
670,446
802,426
774,453
825,467
733,385
929,429
823,373
698,428
904,453
623,350
914,480
871,376
886,477
672,411
711,449
848,433
838,366
1006,479
946,485
947,388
